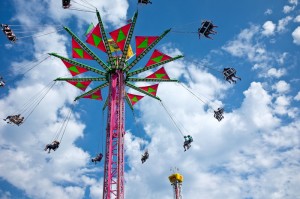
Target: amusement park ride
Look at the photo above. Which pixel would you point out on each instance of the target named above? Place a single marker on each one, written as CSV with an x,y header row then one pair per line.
x,y
117,74
176,180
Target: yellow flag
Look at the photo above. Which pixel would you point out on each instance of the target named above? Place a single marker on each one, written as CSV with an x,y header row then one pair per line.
x,y
114,47
129,52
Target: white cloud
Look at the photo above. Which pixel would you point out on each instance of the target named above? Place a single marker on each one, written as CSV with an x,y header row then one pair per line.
x,y
287,9
293,2
297,97
281,87
296,35
282,23
297,19
269,28
281,104
273,72
268,12
245,46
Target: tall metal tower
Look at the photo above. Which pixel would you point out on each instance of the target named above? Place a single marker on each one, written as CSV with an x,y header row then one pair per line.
x,y
116,74
176,180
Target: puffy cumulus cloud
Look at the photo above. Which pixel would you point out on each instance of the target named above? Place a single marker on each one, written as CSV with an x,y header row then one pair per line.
x,y
282,23
254,152
287,9
246,46
258,103
25,164
281,105
273,72
297,19
269,28
281,87
113,11
250,45
297,97
268,12
293,2
96,190
296,35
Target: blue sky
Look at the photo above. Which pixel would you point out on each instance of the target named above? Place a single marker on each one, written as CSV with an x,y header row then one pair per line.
x,y
252,154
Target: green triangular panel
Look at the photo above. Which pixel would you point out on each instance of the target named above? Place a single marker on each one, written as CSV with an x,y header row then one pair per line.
x,y
79,52
159,76
79,85
144,44
157,59
97,39
151,90
95,96
135,99
121,36
73,69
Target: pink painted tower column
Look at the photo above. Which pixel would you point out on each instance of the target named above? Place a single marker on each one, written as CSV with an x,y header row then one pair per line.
x,y
114,162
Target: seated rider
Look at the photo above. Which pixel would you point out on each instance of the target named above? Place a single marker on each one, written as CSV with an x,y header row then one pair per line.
x,y
54,145
98,158
144,1
229,74
219,114
187,142
2,83
145,156
16,119
206,29
66,4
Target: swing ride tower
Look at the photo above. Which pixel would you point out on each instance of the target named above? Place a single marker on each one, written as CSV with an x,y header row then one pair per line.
x,y
117,75
176,180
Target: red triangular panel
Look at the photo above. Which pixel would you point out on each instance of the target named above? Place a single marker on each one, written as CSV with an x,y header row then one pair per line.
x,y
150,89
134,98
80,85
78,51
95,38
120,35
95,95
142,42
74,70
157,57
159,74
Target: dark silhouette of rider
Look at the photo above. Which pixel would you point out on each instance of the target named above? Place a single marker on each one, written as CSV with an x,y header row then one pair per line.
x,y
229,74
187,142
98,158
145,156
54,145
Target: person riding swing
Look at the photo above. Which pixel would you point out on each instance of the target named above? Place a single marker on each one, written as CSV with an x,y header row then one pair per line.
x,y
187,142
145,156
54,145
98,158
218,114
229,74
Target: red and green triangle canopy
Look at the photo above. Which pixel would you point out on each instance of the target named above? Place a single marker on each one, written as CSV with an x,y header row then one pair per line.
x,y
95,95
150,89
120,35
157,57
134,98
95,38
142,42
74,70
78,51
159,74
82,85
